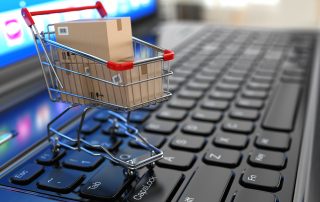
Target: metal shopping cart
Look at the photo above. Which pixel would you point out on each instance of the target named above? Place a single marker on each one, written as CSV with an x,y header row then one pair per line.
x,y
53,69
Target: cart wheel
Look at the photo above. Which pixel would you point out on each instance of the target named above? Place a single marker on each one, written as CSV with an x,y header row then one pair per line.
x,y
55,143
129,172
151,166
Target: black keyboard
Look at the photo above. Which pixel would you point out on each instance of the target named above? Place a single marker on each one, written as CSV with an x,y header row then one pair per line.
x,y
231,132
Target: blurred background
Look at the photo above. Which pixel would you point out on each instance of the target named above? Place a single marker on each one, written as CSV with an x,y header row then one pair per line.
x,y
265,13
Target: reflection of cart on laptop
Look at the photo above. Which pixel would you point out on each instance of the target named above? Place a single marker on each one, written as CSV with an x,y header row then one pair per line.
x,y
55,73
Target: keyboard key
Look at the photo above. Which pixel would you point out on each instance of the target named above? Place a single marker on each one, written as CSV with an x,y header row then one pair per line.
x,y
246,114
205,115
181,103
172,114
190,94
188,143
163,127
282,110
250,195
222,95
258,86
90,126
82,161
193,85
27,174
152,107
273,141
250,103
215,104
227,87
208,183
177,160
201,78
222,157
234,141
232,79
109,142
155,140
263,179
262,79
238,126
48,157
102,116
267,159
139,116
160,184
59,180
198,128
107,184
255,94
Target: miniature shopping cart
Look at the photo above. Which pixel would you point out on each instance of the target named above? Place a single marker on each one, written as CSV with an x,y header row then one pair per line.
x,y
53,70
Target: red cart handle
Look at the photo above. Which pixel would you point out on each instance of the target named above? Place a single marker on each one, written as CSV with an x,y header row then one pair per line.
x,y
29,20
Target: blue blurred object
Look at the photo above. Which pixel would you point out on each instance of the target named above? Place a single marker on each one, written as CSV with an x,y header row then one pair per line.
x,y
16,41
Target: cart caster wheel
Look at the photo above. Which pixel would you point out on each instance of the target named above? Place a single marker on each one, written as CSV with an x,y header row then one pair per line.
x,y
129,172
151,166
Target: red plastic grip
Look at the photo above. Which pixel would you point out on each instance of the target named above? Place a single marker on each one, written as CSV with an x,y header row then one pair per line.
x,y
168,55
29,20
116,66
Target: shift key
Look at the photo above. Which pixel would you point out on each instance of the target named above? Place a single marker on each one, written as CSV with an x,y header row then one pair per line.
x,y
156,185
208,184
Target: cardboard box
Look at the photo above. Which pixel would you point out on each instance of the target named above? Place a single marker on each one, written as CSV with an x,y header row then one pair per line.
x,y
108,39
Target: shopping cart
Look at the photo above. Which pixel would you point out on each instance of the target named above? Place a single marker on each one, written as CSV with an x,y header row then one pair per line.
x,y
52,68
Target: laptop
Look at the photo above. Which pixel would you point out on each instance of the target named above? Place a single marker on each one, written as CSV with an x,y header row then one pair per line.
x,y
240,126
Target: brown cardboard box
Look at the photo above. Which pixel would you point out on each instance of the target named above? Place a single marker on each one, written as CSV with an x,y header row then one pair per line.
x,y
108,39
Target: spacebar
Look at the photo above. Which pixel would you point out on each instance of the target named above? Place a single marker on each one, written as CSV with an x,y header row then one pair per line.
x,y
209,183
282,110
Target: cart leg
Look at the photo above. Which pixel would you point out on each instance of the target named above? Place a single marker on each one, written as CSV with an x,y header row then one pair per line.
x,y
54,120
80,126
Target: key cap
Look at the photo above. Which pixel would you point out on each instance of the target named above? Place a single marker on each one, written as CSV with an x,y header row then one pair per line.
x,y
250,103
208,183
238,126
177,80
48,157
267,159
205,115
201,78
273,141
262,79
139,116
215,104
163,127
193,85
90,126
232,79
222,157
221,95
231,140
282,110
155,140
59,180
255,94
172,114
177,160
82,161
245,114
107,141
156,185
107,184
188,143
227,87
190,94
250,195
263,179
181,103
258,86
102,116
27,174
198,128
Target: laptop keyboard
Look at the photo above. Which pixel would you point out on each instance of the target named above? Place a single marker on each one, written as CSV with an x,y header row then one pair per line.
x,y
231,132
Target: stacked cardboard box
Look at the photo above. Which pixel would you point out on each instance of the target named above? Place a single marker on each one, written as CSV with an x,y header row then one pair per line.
x,y
111,40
